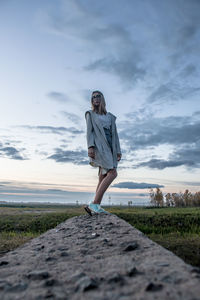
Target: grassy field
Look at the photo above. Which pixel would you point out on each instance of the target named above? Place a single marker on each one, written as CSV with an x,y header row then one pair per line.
x,y
177,229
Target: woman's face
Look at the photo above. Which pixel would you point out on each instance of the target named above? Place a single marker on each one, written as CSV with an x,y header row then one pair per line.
x,y
96,99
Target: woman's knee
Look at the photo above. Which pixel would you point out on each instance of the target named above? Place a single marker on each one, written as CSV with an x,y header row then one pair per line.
x,y
113,172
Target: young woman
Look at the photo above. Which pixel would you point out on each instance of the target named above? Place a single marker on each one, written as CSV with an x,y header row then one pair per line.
x,y
103,147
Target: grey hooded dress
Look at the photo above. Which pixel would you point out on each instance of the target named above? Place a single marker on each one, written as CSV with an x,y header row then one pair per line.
x,y
105,155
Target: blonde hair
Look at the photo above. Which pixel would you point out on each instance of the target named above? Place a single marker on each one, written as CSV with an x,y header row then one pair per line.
x,y
102,106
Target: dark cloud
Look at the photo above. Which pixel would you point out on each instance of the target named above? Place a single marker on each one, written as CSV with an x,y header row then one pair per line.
x,y
66,143
11,152
57,96
185,27
188,70
136,185
190,153
55,190
187,32
118,52
126,46
11,142
149,132
68,156
153,131
187,155
184,37
171,92
126,69
71,116
55,130
69,21
161,164
196,113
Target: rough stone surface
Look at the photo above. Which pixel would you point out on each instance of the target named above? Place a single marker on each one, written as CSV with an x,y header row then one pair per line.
x,y
98,257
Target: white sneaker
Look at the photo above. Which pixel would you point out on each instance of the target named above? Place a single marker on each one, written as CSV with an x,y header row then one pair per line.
x,y
101,210
94,207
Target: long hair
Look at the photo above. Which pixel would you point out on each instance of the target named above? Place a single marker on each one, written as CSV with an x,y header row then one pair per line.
x,y
102,106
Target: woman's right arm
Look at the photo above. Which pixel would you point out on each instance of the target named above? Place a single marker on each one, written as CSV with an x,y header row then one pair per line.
x,y
90,136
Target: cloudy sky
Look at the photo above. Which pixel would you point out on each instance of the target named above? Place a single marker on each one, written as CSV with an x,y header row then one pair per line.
x,y
143,56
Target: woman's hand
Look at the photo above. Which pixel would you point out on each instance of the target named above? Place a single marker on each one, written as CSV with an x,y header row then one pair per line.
x,y
91,152
119,156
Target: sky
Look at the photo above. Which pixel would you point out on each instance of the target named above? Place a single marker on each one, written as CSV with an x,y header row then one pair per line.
x,y
143,56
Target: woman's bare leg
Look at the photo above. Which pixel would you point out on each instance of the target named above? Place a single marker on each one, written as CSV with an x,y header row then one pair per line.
x,y
104,184
101,177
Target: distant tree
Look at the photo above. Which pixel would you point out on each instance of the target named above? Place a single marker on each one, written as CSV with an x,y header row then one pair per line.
x,y
152,197
159,197
174,199
188,198
177,199
168,200
196,199
130,203
156,197
181,201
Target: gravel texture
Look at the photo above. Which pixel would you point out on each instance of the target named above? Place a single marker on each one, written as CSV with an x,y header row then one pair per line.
x,y
99,257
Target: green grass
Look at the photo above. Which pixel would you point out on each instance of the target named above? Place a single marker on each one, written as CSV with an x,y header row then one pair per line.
x,y
9,240
177,229
186,246
33,223
162,220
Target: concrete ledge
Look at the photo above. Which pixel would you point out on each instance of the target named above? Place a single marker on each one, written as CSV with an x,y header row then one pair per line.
x,y
98,257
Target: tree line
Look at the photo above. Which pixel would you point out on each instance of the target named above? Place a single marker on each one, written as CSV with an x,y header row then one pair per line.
x,y
174,199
